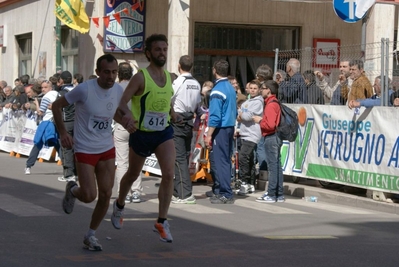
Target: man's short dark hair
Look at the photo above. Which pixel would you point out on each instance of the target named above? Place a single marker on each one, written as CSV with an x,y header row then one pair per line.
x,y
108,57
186,63
25,79
273,86
125,71
78,77
221,67
153,38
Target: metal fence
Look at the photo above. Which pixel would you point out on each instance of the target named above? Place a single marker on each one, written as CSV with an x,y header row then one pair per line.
x,y
380,58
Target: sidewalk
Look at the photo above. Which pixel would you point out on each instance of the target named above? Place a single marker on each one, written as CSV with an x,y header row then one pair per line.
x,y
309,187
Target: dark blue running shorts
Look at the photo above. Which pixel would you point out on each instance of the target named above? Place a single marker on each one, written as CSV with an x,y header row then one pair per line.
x,y
145,143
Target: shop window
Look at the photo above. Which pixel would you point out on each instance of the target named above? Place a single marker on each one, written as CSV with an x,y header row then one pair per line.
x,y
69,49
24,54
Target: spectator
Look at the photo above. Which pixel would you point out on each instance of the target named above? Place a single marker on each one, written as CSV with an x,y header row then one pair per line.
x,y
20,97
361,87
17,82
24,79
93,76
68,115
315,95
43,110
375,100
250,135
235,84
222,118
334,94
273,143
264,73
185,101
31,92
294,89
280,76
9,97
121,140
77,79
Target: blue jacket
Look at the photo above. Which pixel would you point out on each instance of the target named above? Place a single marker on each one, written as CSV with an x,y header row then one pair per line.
x,y
223,105
374,101
46,134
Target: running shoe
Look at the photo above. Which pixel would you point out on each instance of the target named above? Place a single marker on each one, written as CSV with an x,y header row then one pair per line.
x,y
117,217
222,200
67,179
209,193
262,196
69,199
27,170
267,199
136,197
163,230
128,199
91,243
251,189
280,199
188,200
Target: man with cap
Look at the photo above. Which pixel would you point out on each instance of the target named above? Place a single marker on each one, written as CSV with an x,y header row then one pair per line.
x,y
68,115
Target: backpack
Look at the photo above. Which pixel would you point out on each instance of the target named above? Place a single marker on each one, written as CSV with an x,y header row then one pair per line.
x,y
287,129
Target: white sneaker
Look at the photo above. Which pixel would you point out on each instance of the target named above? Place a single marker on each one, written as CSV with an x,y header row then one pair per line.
x,y
251,189
136,197
70,178
27,170
243,189
117,216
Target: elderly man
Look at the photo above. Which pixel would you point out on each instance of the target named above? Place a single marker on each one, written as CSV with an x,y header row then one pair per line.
x,y
10,96
293,90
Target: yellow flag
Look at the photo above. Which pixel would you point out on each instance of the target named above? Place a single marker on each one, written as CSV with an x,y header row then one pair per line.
x,y
73,14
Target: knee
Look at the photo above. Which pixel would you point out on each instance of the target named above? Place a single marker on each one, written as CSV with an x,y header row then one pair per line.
x,y
88,197
105,194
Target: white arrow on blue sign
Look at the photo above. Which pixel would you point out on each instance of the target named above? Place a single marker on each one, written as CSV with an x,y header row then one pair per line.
x,y
346,9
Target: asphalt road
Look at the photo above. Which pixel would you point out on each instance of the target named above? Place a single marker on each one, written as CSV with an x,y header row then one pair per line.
x,y
35,231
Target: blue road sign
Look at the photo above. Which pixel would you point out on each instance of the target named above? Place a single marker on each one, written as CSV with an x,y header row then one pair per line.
x,y
345,9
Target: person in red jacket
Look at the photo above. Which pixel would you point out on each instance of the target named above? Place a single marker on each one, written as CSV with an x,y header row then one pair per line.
x,y
268,125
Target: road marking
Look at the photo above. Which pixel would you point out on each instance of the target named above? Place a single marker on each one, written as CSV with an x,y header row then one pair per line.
x,y
329,207
136,219
291,237
23,208
194,208
275,208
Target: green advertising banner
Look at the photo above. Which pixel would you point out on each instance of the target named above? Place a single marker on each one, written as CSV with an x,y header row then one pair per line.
x,y
353,147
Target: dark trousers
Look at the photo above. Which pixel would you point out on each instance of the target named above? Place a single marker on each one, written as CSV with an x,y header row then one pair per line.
x,y
183,133
68,156
220,159
247,162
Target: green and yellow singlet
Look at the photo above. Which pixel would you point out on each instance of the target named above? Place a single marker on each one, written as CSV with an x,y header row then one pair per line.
x,y
152,108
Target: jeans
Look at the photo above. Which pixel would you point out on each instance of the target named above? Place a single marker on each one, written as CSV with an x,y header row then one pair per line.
x,y
261,154
273,159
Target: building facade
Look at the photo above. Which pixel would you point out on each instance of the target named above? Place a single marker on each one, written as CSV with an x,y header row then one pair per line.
x,y
246,33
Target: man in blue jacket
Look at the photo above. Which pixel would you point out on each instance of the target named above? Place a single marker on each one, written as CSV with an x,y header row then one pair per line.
x,y
222,118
